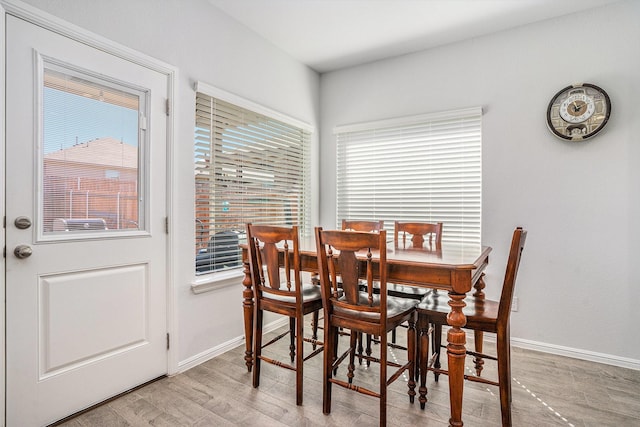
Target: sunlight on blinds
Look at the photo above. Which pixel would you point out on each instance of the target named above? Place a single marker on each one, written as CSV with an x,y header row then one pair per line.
x,y
248,168
426,168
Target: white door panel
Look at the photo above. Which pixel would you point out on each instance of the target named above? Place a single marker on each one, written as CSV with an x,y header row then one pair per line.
x,y
86,311
80,334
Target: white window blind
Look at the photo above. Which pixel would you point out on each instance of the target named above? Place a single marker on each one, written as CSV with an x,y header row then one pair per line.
x,y
91,152
249,167
421,168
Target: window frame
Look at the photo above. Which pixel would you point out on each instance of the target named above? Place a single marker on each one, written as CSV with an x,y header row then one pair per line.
x,y
51,74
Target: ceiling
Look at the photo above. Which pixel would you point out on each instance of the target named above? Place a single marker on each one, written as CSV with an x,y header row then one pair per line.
x,y
331,34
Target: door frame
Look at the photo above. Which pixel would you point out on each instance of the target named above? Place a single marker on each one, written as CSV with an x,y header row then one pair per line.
x,y
52,23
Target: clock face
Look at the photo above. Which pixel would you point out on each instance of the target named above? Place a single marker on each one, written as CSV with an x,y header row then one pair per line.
x,y
578,112
577,107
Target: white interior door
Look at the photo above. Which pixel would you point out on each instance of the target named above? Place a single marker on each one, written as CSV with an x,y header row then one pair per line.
x,y
86,242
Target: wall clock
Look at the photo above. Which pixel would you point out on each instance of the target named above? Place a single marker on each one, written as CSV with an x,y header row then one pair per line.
x,y
578,112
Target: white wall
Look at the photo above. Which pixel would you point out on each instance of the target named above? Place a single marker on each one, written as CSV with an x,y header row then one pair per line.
x,y
204,44
577,287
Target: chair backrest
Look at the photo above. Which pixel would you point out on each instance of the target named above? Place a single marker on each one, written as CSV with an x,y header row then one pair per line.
x,y
357,225
513,263
273,253
338,253
418,231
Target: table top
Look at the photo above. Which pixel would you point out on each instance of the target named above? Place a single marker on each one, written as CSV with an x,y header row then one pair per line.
x,y
451,256
456,266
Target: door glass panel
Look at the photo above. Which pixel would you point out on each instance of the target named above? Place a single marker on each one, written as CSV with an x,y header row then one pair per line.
x,y
91,175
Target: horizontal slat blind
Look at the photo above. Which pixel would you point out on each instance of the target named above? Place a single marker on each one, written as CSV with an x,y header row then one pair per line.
x,y
414,170
90,154
248,168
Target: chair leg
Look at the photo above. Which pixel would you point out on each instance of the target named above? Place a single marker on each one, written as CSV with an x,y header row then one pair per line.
x,y
354,338
478,337
314,327
509,363
257,345
292,338
418,346
383,379
504,375
423,325
360,348
437,347
299,358
411,355
368,350
327,371
335,340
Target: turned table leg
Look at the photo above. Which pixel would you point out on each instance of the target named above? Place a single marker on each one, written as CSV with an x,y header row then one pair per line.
x,y
247,306
456,352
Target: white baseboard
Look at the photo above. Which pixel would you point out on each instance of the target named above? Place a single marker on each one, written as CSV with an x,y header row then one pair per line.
x,y
209,354
592,356
575,353
607,359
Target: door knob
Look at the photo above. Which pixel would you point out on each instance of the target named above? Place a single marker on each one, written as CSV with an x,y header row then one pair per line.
x,y
23,251
22,222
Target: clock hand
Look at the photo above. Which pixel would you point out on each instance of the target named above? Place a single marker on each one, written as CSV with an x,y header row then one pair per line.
x,y
577,108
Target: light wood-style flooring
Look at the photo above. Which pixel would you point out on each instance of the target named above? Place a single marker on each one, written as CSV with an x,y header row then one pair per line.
x,y
548,390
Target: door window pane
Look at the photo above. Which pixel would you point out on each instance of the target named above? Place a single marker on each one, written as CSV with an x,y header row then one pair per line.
x,y
91,156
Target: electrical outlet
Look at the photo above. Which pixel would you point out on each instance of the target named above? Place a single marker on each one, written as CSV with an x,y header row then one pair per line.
x,y
514,304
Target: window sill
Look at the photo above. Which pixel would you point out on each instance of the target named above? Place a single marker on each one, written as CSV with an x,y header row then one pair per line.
x,y
215,281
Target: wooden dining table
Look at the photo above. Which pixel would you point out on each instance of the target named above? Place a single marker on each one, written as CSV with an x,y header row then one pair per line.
x,y
457,268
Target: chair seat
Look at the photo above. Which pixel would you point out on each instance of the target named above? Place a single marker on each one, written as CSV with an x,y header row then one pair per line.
x,y
477,311
396,308
310,293
404,291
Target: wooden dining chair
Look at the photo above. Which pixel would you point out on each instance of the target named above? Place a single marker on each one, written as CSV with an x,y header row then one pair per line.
x,y
356,225
361,225
366,226
278,288
414,236
417,235
482,315
350,255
